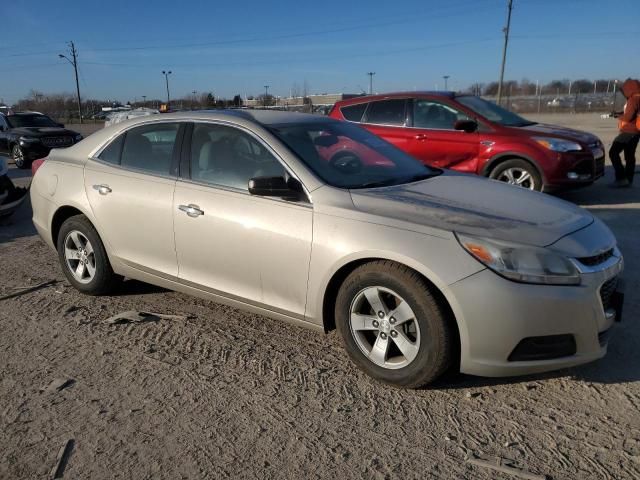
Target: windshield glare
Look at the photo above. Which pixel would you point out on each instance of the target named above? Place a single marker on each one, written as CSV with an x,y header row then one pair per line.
x,y
347,156
19,121
493,112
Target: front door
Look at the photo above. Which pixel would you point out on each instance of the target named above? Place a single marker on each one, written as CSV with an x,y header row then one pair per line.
x,y
130,189
245,247
436,142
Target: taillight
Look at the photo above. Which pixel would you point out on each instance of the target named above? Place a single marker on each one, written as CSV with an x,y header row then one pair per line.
x,y
36,164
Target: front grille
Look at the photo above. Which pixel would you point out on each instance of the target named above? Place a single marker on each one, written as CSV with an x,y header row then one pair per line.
x,y
596,259
584,168
606,291
57,141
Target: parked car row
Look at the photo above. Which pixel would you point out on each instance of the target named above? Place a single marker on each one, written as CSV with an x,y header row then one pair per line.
x,y
472,135
319,222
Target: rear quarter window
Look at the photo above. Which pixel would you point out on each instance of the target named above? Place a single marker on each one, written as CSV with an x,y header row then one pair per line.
x,y
111,154
353,113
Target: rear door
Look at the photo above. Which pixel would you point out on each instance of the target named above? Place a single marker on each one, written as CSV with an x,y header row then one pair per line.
x,y
388,119
434,139
130,187
4,135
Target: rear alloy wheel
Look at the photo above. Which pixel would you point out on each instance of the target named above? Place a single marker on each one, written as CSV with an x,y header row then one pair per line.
x,y
392,326
83,258
518,172
17,155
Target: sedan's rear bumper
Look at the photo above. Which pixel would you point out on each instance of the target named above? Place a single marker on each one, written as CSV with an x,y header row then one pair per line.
x,y
498,316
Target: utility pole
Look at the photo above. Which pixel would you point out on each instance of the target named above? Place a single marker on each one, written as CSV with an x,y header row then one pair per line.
x,y
266,94
371,74
74,62
446,77
166,78
504,50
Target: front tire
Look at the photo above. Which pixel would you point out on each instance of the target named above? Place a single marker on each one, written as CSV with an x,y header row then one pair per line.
x,y
518,172
392,326
17,155
83,258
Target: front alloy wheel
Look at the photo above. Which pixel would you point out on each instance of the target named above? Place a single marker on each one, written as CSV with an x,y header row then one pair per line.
x,y
393,326
17,155
384,327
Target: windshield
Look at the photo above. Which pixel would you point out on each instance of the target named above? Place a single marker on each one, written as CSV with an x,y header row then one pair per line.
x,y
493,112
19,121
347,156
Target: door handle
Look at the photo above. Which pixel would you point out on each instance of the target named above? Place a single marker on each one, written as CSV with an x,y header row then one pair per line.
x,y
102,189
191,210
420,136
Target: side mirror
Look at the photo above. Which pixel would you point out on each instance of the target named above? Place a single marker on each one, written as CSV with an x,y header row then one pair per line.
x,y
468,126
275,187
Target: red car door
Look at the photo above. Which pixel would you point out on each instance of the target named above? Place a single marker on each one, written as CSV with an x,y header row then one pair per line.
x,y
388,119
436,142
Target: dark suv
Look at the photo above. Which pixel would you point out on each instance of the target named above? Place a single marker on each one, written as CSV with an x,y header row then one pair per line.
x,y
470,134
27,136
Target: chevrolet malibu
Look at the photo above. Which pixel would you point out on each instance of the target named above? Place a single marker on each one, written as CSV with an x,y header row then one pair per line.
x,y
420,270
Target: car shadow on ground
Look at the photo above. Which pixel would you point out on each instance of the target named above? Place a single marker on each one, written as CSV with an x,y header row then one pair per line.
x,y
134,287
18,224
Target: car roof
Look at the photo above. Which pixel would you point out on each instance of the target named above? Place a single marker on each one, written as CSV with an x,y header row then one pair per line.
x,y
391,95
262,117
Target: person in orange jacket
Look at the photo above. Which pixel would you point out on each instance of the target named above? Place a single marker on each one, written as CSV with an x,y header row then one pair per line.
x,y
627,139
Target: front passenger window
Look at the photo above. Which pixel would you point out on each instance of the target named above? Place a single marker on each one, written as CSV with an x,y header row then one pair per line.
x,y
427,114
226,156
150,148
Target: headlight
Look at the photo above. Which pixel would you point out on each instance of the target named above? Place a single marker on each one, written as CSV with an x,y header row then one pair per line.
x,y
558,145
522,263
29,140
77,138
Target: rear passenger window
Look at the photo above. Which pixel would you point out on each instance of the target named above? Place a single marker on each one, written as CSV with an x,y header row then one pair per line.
x,y
111,154
427,114
150,148
386,112
354,113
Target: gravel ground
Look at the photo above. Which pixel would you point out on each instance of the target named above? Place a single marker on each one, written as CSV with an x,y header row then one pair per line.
x,y
226,394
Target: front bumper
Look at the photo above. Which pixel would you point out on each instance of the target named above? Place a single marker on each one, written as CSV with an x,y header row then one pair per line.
x,y
498,314
574,169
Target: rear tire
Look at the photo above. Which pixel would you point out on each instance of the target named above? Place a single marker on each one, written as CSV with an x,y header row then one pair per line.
x,y
17,155
84,259
405,340
518,172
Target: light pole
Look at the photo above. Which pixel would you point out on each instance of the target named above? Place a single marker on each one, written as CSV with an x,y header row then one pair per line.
x,y
144,101
193,100
166,78
446,78
371,74
74,62
266,94
504,50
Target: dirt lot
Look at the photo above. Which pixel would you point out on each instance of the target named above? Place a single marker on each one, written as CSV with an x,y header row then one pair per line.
x,y
225,394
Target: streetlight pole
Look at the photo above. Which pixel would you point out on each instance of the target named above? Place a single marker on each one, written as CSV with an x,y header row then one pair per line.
x,y
266,94
144,101
166,78
193,100
446,77
74,62
371,74
504,50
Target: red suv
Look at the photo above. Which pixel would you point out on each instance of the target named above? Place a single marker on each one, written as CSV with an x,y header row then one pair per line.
x,y
470,134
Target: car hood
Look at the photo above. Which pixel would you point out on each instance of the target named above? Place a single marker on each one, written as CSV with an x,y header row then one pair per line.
x,y
43,131
543,129
476,206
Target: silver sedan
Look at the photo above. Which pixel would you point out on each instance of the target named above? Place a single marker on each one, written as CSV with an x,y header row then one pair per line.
x,y
318,222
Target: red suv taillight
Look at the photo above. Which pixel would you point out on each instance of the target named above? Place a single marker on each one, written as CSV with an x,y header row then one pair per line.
x,y
36,164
